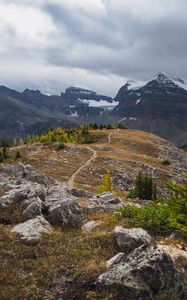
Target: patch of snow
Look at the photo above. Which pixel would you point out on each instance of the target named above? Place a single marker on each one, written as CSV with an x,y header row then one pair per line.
x,y
162,77
74,115
101,103
167,78
135,85
138,101
132,119
86,92
182,85
123,119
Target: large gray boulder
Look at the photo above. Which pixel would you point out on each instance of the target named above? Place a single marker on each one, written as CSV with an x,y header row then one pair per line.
x,y
32,230
148,273
66,212
37,194
129,239
63,208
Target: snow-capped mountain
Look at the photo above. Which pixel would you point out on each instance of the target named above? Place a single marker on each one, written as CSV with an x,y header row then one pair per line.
x,y
33,112
158,105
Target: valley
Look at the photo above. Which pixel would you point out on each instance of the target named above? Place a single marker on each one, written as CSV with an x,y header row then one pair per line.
x,y
61,239
122,152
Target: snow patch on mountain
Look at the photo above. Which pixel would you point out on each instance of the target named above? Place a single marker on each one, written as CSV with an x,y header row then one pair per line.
x,y
163,78
138,101
135,85
100,104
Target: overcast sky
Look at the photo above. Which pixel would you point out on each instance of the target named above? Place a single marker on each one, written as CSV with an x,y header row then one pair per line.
x,y
96,44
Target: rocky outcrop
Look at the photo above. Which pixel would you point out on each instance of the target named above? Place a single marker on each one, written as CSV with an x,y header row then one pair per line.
x,y
147,273
137,102
37,112
62,208
129,239
105,202
81,193
31,174
115,259
66,212
38,194
32,230
33,209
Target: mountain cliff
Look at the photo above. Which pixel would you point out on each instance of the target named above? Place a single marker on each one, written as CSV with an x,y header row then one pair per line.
x,y
158,106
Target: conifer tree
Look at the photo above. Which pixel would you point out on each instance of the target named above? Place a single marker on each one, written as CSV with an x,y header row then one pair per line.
x,y
20,142
1,157
106,185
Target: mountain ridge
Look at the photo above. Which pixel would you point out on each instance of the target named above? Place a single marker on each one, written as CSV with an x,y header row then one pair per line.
x,y
134,106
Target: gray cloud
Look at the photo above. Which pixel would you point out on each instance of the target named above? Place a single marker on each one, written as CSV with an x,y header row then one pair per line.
x,y
97,44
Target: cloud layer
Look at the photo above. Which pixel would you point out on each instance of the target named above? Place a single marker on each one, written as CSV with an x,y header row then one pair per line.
x,y
97,44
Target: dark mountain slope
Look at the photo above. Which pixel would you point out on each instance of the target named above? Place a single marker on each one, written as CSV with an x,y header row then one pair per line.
x,y
33,112
158,106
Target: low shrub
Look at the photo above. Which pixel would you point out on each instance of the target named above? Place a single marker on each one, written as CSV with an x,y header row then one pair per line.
x,y
61,146
166,162
162,216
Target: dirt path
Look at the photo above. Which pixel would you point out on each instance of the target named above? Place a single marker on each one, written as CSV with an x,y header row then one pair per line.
x,y
109,138
94,156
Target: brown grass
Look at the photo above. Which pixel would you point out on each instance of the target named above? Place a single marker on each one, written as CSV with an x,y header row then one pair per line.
x,y
127,150
37,272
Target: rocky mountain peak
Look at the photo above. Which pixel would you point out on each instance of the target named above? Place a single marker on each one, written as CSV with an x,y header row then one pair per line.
x,y
79,91
32,93
156,105
167,80
163,76
162,79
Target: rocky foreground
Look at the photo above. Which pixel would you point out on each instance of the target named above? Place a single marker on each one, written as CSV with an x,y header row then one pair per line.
x,y
140,269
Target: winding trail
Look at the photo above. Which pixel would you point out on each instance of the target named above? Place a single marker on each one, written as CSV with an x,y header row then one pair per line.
x,y
94,156
109,137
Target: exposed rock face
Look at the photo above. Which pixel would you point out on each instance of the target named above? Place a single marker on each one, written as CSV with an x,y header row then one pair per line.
x,y
66,212
104,202
38,194
147,273
166,93
31,174
129,239
31,231
62,207
32,210
81,193
115,259
37,112
133,107
174,252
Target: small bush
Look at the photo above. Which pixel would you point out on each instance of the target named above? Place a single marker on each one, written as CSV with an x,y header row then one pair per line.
x,y
166,162
18,154
61,146
163,216
1,157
